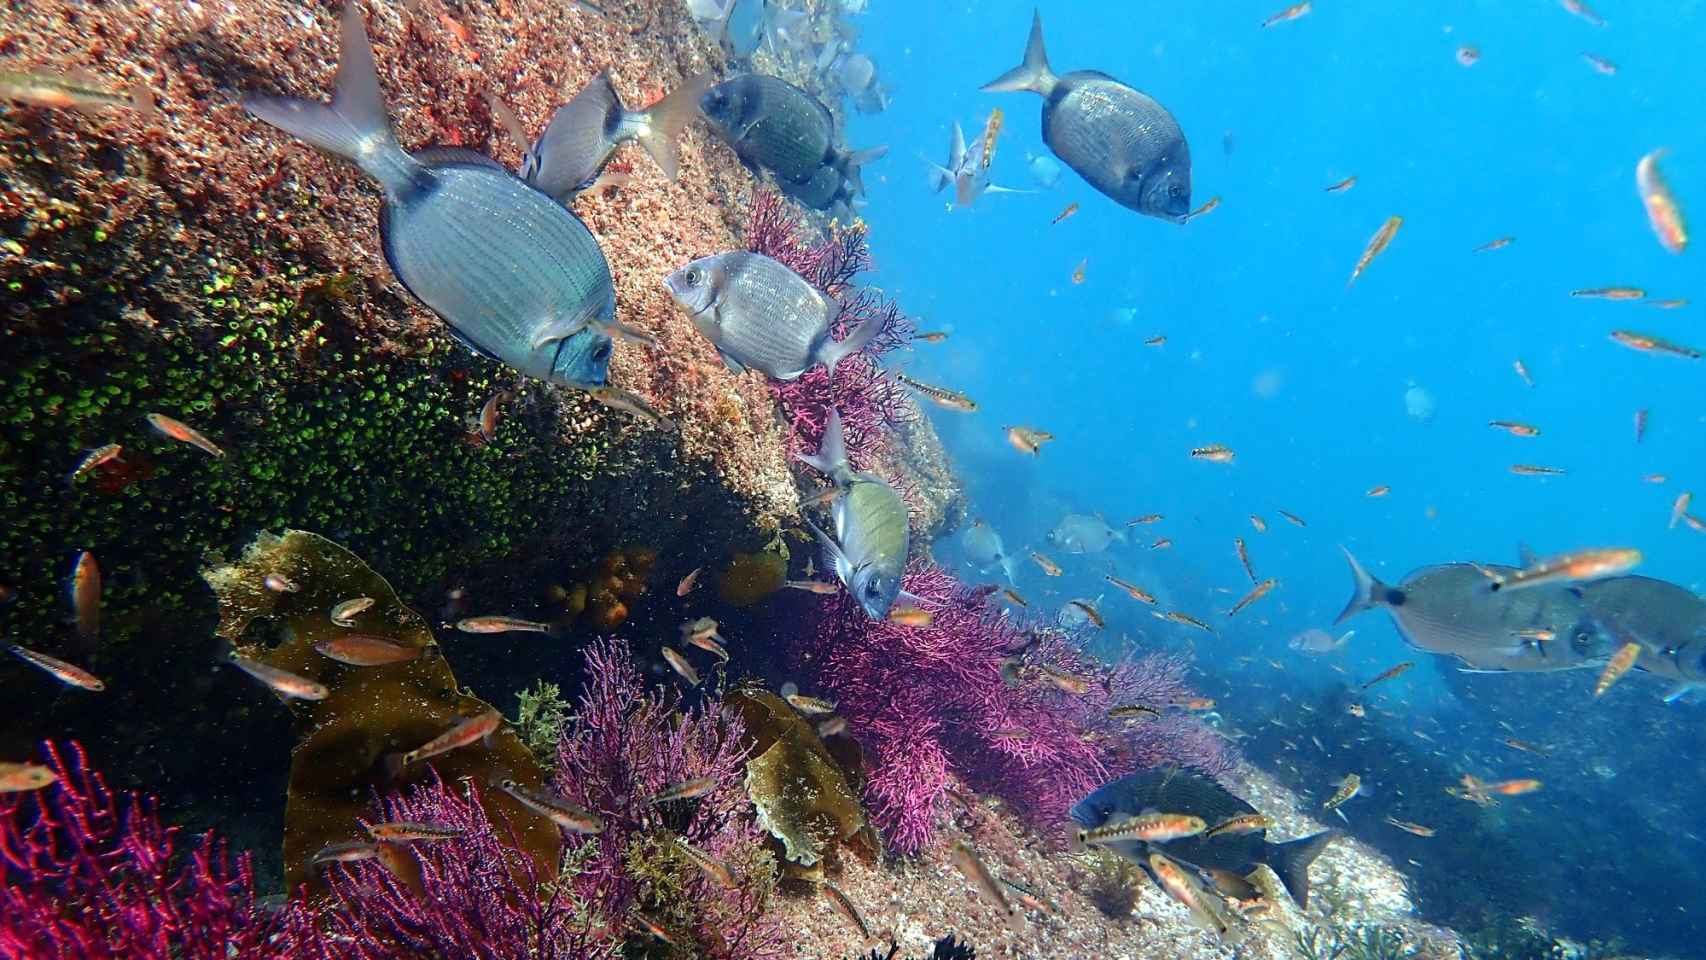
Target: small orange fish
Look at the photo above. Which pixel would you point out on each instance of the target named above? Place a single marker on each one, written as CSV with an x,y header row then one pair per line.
x,y
1161,544
812,586
1640,424
1694,523
1409,827
1028,439
1214,453
183,433
687,583
364,650
489,417
1513,788
1663,214
1654,478
1186,619
1260,524
72,91
1522,371
1498,244
1012,596
991,132
1078,271
1647,343
1071,209
911,617
404,831
21,777
1680,507
1513,427
65,673
1342,185
679,664
1292,518
1146,518
1390,672
1535,470
1244,558
934,336
1197,704
465,731
1582,10
1090,612
1288,14
1050,568
1257,592
1671,304
1158,340
1468,56
1620,663
1067,681
1600,64
1379,491
86,596
1133,590
1610,293
1376,245
282,682
95,458
1205,208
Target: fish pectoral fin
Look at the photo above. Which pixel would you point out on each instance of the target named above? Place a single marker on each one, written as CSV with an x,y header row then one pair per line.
x,y
462,338
1682,691
561,328
832,553
735,366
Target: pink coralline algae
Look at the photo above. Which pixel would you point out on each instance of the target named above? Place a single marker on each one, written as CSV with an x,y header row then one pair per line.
x,y
91,874
1022,714
624,745
868,400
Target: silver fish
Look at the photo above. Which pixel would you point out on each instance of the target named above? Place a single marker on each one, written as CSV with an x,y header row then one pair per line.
x,y
1668,621
965,171
515,274
868,552
1123,142
984,549
777,128
1082,533
758,313
584,132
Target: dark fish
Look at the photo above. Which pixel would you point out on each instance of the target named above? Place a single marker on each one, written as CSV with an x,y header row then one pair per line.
x,y
1121,141
758,313
872,537
776,128
1189,793
1668,621
515,274
584,132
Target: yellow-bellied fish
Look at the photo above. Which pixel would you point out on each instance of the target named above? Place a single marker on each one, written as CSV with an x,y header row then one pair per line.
x,y
1663,213
1376,245
872,534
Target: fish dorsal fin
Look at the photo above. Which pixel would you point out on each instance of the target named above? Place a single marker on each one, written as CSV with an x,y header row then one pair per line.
x,y
1525,555
440,156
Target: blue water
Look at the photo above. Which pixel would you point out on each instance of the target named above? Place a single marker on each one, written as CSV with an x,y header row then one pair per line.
x,y
1268,352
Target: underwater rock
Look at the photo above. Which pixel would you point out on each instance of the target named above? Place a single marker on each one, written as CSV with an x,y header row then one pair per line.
x,y
798,787
750,577
372,713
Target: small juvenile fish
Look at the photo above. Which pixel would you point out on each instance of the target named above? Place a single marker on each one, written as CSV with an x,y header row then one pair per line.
x,y
404,831
1679,507
282,682
813,586
1610,293
846,908
687,583
1078,271
911,616
1342,185
86,596
347,852
183,433
1133,590
715,869
1012,596
279,583
1257,592
1535,470
679,664
633,405
1207,206
653,927
95,458
1197,704
1029,898
1468,56
1243,823
1376,245
686,790
1379,491
1161,544
1288,14
1066,681
1580,565
1663,214
1149,827
833,727
489,417
1513,427
1049,566
934,336
1694,523
941,396
464,732
1132,711
1524,746
708,643
1260,524
703,628
1027,439
1183,889
344,614
364,650
71,92
501,624
1292,518
1090,612
1146,518
810,706
1011,733
1498,244
1213,453
557,809
21,777
1522,371
1670,304
1071,209
1654,478
1647,343
1640,425
1512,788
1601,65
1390,672
1244,558
1159,340
1356,710
991,131
1187,620
1582,10
965,860
1348,788
1620,663
1409,827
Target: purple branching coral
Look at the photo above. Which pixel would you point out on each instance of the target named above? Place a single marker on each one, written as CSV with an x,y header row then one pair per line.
x,y
868,399
624,745
89,873
1018,713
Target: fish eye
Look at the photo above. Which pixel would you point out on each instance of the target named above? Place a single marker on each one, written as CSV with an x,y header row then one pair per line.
x,y
693,276
602,353
1175,191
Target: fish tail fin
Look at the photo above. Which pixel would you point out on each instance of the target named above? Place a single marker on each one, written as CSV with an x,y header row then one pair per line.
x,y
853,160
1369,593
831,456
1034,73
1010,566
354,125
1291,860
668,117
940,176
857,339
833,556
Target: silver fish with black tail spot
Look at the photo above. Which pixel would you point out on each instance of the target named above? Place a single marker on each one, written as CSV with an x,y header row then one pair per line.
x,y
515,274
1123,142
984,549
758,313
869,550
1083,533
583,133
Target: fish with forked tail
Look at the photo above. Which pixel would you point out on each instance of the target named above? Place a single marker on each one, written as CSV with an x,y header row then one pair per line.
x,y
872,538
584,132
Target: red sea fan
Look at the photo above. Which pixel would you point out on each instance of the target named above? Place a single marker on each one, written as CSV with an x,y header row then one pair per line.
x,y
91,874
927,701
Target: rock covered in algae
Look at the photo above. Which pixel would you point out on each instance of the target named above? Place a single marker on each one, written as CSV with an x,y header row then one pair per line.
x,y
797,786
750,577
371,712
